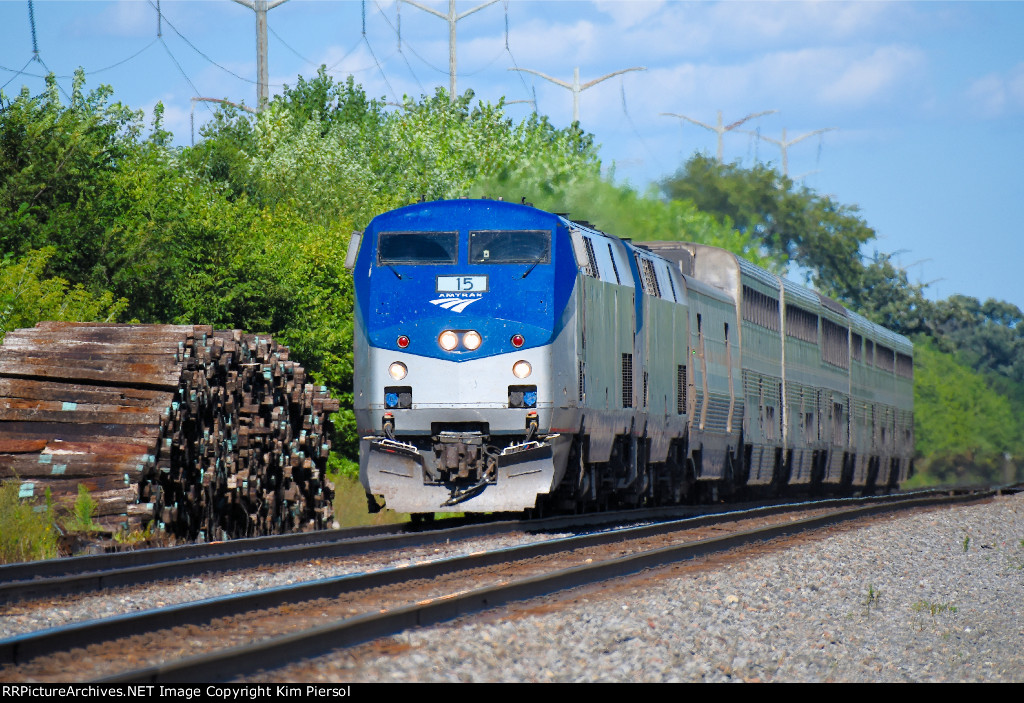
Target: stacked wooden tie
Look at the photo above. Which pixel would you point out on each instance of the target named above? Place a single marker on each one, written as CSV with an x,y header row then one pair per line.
x,y
202,434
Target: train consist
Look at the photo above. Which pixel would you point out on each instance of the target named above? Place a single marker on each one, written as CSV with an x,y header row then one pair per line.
x,y
508,358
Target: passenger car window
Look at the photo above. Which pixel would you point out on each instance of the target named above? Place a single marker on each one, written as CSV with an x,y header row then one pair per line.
x,y
417,248
510,247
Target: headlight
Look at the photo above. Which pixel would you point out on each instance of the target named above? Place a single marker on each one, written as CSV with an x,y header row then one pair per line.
x,y
522,369
448,340
471,340
398,370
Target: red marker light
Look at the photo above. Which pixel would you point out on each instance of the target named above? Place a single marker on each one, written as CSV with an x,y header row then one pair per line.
x,y
403,342
518,340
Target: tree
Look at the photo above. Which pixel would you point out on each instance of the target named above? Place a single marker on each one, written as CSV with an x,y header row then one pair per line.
x,y
812,231
27,297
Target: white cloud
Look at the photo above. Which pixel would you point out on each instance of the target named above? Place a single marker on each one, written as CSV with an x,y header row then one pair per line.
x,y
874,77
998,94
629,14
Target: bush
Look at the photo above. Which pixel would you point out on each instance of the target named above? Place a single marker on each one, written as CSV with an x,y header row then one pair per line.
x,y
27,532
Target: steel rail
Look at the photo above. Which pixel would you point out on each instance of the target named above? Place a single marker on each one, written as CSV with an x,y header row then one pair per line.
x,y
77,575
23,648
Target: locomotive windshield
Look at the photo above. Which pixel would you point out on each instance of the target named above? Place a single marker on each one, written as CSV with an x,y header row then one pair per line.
x,y
510,247
417,248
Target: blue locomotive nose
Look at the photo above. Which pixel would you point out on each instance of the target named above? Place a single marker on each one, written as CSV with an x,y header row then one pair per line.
x,y
463,280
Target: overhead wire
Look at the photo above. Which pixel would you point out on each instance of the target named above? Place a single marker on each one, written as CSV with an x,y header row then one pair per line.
x,y
289,47
636,132
397,29
519,72
160,37
376,60
17,73
200,52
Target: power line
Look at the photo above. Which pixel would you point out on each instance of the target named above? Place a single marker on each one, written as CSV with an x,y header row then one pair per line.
x,y
452,18
397,29
718,127
636,132
575,86
194,47
288,46
374,56
784,144
18,73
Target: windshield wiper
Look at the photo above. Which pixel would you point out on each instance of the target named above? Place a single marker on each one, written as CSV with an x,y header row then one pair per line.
x,y
532,267
395,271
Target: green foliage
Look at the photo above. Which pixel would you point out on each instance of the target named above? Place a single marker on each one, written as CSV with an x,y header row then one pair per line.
x,y
933,609
81,517
962,426
26,297
248,229
810,230
872,597
986,336
620,210
58,171
27,532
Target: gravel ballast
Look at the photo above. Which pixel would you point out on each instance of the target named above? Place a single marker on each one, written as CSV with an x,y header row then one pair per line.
x,y
933,596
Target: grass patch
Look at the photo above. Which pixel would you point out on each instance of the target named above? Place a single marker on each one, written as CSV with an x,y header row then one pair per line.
x,y
872,597
27,532
350,505
923,606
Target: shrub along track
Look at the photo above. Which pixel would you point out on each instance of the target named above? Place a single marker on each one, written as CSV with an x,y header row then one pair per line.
x,y
230,636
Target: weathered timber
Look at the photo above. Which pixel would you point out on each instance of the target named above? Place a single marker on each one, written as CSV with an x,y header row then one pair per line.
x,y
204,434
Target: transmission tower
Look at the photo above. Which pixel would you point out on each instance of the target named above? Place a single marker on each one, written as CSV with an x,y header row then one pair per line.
x,y
575,86
784,144
718,127
261,7
452,18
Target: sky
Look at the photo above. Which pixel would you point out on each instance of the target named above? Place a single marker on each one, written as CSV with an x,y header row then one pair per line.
x,y
913,111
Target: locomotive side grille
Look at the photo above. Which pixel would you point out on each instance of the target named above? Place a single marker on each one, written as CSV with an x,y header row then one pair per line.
x,y
582,382
592,259
717,419
627,380
681,390
645,389
615,269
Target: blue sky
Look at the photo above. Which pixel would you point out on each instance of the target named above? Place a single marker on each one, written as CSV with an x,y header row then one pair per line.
x,y
926,98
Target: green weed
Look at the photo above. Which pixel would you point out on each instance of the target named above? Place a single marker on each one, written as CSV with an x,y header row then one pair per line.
x,y
923,606
872,597
27,532
81,518
967,542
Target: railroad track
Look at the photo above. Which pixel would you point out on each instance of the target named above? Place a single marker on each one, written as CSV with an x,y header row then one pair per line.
x,y
78,575
222,638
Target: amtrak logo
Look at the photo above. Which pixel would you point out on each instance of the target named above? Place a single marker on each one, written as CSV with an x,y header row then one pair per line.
x,y
454,304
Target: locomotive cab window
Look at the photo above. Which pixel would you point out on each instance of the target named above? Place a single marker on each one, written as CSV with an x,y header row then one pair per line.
x,y
510,247
417,248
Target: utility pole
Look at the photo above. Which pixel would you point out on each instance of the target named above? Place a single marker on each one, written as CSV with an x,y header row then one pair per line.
x,y
261,7
719,127
784,144
575,86
452,18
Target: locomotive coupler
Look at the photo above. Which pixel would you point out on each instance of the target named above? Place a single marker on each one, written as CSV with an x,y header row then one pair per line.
x,y
460,454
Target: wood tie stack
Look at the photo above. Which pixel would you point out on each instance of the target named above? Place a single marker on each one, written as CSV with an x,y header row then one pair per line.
x,y
202,434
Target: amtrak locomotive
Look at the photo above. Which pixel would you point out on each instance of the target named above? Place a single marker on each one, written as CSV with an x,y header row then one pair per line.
x,y
508,358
